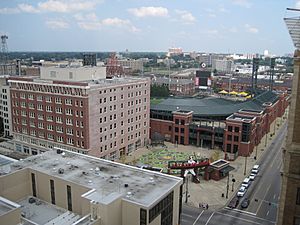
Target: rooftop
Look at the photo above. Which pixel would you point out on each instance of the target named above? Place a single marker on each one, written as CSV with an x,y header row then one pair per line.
x,y
212,106
110,180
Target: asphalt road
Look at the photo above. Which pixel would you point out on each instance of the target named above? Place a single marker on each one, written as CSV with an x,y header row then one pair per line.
x,y
263,193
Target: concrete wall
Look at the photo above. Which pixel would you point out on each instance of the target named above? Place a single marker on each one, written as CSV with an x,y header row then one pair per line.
x,y
60,185
15,186
13,217
131,214
73,73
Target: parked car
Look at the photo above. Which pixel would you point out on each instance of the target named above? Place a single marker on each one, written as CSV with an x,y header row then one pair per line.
x,y
241,191
245,203
246,182
234,202
252,176
255,169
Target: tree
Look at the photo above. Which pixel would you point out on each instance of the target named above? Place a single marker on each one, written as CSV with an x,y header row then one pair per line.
x,y
159,91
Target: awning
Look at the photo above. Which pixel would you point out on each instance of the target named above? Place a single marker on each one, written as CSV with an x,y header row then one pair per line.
x,y
227,169
223,92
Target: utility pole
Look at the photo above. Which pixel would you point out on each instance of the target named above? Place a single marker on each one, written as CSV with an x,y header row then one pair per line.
x,y
245,169
227,186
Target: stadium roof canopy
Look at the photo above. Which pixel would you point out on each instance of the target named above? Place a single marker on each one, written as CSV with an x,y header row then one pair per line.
x,y
212,106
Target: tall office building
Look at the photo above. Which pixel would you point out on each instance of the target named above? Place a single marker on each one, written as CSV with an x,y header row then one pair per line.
x,y
5,108
289,208
99,117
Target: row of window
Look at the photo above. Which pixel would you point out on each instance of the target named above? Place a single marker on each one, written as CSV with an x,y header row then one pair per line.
x,y
68,121
49,99
235,138
45,88
236,129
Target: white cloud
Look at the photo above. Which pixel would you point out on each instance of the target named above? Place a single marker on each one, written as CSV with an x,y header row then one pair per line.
x,y
64,6
243,3
92,22
57,24
251,29
9,10
186,17
59,6
297,4
27,8
149,11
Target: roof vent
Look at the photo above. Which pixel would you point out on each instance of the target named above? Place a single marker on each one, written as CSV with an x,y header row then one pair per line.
x,y
61,171
126,185
58,151
63,154
129,194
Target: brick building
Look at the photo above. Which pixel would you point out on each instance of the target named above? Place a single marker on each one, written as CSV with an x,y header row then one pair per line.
x,y
103,118
215,122
176,86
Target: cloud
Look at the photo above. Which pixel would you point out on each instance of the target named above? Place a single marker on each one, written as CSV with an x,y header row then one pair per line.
x,y
58,6
9,10
297,4
149,11
57,24
92,22
251,29
243,3
27,8
186,17
233,30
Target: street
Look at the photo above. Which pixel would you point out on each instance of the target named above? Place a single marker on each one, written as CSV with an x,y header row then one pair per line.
x,y
263,193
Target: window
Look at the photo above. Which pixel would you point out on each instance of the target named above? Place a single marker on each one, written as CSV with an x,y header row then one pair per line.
x,y
182,122
48,108
69,131
50,136
165,208
60,139
68,101
40,116
48,99
58,100
176,121
39,98
235,148
58,119
143,217
69,121
69,197
230,128
58,110
236,138
59,129
33,186
49,118
298,196
236,129
181,130
52,192
228,148
69,112
176,129
229,137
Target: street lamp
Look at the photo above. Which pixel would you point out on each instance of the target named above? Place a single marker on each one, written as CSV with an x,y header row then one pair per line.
x,y
227,186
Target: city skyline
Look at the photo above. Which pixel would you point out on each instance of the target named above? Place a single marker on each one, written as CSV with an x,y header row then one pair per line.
x,y
227,26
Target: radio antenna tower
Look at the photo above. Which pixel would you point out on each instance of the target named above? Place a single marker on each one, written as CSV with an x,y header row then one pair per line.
x,y
4,49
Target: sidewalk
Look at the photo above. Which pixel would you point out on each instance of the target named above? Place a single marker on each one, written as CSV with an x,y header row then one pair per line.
x,y
210,192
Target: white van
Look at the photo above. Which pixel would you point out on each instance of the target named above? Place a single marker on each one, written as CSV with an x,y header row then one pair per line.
x,y
246,182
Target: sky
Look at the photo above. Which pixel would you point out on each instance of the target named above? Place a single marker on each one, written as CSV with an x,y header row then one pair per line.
x,y
220,26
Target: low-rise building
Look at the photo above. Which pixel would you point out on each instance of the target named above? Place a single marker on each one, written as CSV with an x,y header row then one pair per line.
x,y
63,187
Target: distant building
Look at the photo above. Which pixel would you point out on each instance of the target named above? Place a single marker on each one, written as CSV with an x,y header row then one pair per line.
x,y
131,65
90,59
174,51
176,86
62,187
5,107
222,65
99,117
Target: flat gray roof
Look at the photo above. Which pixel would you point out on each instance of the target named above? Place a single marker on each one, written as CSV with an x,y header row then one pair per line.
x,y
109,179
